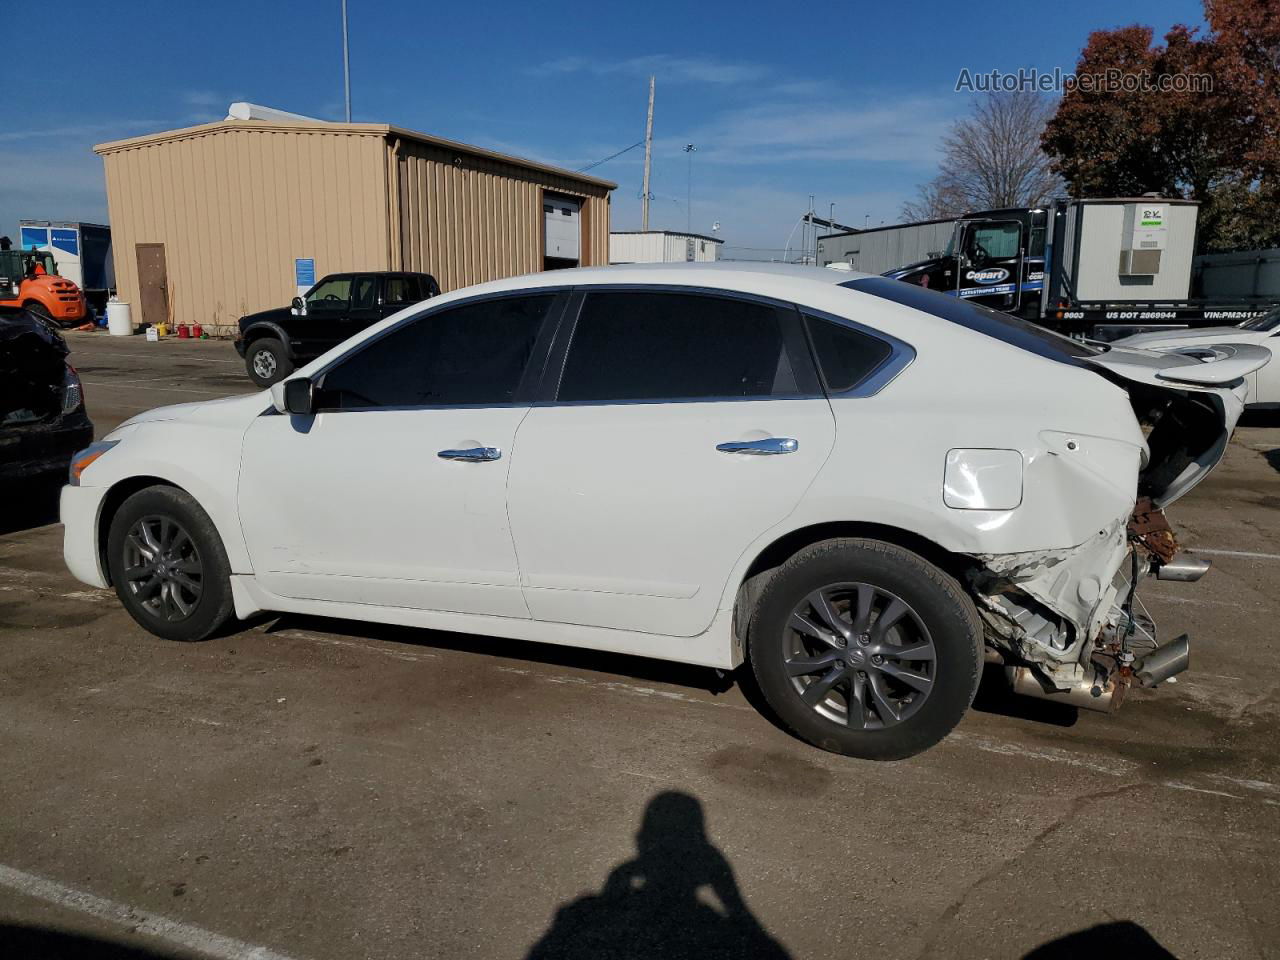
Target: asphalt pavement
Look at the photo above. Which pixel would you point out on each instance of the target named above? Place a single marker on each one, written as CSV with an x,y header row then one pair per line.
x,y
320,789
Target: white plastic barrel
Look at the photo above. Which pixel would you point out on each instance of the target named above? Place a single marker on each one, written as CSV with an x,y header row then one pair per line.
x,y
119,319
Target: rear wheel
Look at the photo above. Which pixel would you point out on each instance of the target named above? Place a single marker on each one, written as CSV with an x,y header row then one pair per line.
x,y
866,649
267,361
168,565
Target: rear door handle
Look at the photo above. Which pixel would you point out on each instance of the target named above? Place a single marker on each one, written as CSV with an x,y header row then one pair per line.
x,y
768,447
471,454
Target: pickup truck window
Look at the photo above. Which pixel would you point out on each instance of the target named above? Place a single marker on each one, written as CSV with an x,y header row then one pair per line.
x,y
331,294
402,290
364,293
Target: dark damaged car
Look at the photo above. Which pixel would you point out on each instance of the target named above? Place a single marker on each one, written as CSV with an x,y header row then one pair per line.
x,y
42,414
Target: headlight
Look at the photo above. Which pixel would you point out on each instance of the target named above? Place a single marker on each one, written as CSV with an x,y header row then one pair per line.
x,y
72,391
86,457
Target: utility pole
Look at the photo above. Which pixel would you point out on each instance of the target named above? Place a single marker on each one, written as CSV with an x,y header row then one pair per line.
x,y
648,154
690,150
346,61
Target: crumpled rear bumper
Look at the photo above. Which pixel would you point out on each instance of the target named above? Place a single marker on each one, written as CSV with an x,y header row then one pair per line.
x,y
1048,606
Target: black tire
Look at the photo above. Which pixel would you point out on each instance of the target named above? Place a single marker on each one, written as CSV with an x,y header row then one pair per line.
x,y
200,558
790,664
267,361
41,312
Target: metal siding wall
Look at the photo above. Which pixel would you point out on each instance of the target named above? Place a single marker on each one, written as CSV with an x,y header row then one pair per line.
x,y
882,250
1253,273
234,208
481,219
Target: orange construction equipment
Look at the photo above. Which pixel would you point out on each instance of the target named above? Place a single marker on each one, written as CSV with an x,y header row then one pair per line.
x,y
41,290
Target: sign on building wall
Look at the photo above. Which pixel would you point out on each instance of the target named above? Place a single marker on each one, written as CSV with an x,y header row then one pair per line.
x,y
304,274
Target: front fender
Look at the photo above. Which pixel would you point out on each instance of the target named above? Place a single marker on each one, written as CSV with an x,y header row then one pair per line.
x,y
269,328
201,458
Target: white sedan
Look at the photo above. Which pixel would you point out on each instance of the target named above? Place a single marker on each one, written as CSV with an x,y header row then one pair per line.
x,y
859,487
1263,331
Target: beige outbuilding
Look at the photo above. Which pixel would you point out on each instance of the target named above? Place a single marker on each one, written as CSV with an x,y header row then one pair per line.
x,y
215,221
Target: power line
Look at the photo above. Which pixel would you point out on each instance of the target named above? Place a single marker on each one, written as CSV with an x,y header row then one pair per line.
x,y
612,156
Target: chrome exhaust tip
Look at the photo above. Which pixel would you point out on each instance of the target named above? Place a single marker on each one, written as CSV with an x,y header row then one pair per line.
x,y
1183,569
1164,662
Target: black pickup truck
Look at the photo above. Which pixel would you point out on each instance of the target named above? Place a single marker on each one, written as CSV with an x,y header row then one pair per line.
x,y
275,342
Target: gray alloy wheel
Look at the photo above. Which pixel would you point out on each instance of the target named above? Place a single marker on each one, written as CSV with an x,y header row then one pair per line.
x,y
162,568
859,656
264,363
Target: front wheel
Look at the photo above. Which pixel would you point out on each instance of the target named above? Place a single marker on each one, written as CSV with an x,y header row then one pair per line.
x,y
863,648
168,565
267,361
41,313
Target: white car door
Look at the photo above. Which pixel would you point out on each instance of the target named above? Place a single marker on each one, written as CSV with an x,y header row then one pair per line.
x,y
394,492
685,426
1266,381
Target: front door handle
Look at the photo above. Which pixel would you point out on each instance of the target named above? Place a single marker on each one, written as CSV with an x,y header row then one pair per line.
x,y
768,447
471,454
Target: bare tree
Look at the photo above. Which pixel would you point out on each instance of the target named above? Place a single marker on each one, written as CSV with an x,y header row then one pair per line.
x,y
991,159
937,200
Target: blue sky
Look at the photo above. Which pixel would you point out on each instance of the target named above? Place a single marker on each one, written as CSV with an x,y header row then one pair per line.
x,y
844,101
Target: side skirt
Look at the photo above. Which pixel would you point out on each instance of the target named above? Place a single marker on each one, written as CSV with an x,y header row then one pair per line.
x,y
714,648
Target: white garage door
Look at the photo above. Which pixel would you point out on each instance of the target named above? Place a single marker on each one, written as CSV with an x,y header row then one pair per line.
x,y
563,228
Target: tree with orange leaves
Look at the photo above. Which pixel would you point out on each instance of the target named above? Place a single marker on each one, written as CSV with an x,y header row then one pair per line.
x,y
1163,134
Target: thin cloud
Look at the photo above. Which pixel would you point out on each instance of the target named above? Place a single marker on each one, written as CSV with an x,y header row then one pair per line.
x,y
78,131
670,69
51,184
904,132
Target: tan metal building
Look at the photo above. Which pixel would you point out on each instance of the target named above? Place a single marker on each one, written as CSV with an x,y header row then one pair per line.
x,y
207,221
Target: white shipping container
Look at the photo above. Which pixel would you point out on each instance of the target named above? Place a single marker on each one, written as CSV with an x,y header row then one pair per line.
x,y
662,246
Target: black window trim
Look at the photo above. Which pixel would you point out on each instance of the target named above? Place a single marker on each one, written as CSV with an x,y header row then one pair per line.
x,y
526,390
794,341
901,356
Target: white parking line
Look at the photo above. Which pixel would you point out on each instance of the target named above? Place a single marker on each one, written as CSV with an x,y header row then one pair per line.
x,y
1235,553
136,385
184,935
152,356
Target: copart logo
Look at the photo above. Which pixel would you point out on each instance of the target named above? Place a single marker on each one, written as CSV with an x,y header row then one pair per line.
x,y
996,275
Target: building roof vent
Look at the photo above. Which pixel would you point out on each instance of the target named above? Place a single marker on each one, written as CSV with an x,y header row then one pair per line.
x,y
252,111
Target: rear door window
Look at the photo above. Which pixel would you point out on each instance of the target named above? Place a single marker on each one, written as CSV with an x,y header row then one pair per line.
x,y
469,354
364,293
633,346
401,291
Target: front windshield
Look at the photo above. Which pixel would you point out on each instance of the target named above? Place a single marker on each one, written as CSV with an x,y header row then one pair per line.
x,y
1268,321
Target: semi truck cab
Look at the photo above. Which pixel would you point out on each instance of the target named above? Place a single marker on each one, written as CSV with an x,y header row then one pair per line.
x,y
995,258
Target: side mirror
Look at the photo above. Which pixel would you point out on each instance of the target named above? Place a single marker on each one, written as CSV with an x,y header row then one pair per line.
x,y
296,396
299,306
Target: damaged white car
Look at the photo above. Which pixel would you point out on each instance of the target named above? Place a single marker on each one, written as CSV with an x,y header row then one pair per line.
x,y
859,487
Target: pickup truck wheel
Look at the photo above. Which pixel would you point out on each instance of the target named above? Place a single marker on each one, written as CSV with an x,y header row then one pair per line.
x,y
267,361
863,648
168,565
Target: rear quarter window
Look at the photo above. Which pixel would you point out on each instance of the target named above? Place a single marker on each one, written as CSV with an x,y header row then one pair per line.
x,y
999,326
846,357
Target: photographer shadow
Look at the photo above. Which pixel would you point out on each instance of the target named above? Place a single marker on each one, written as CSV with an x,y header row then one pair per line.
x,y
676,898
